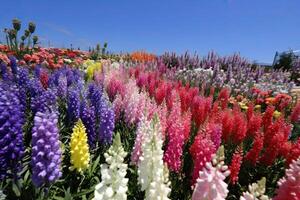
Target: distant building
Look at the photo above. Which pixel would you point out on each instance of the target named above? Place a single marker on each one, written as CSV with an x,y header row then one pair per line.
x,y
294,53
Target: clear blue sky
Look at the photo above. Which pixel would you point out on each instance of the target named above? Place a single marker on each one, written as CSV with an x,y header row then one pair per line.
x,y
255,28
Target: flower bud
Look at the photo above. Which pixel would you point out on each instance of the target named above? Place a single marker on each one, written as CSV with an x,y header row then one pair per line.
x,y
16,24
35,39
31,27
26,34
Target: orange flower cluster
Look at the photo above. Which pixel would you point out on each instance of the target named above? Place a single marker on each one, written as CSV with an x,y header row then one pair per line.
x,y
142,56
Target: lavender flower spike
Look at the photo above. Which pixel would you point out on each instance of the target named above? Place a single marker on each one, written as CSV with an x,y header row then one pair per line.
x,y
46,152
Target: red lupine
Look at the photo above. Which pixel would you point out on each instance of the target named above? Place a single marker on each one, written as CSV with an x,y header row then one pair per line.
x,y
141,80
235,166
294,152
254,153
272,150
239,129
295,116
282,101
114,87
186,118
254,124
201,151
268,116
160,93
44,78
200,109
227,125
224,97
250,111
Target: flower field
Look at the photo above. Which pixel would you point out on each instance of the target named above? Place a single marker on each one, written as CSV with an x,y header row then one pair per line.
x,y
95,125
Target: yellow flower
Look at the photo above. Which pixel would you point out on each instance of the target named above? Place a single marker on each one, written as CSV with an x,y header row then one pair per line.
x,y
92,67
257,107
276,114
80,156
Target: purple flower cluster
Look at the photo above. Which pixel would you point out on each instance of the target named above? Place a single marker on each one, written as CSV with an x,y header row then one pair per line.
x,y
87,116
95,96
23,77
73,104
107,123
45,101
46,152
11,136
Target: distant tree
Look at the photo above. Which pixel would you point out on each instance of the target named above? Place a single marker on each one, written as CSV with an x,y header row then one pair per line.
x,y
285,61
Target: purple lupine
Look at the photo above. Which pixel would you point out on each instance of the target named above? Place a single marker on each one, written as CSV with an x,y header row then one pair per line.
x,y
11,136
73,104
46,153
4,73
37,71
43,102
107,123
87,116
23,77
95,96
35,87
13,64
62,86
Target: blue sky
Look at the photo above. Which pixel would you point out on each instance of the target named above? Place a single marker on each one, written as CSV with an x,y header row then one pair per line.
x,y
255,28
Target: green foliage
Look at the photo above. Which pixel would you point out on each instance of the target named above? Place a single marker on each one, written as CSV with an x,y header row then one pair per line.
x,y
285,61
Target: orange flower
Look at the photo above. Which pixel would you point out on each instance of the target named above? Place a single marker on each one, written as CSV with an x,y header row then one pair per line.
x,y
141,56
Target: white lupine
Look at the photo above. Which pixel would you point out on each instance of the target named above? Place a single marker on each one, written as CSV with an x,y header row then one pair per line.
x,y
151,170
256,191
114,184
210,184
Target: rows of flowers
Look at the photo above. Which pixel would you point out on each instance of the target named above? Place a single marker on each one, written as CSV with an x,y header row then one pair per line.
x,y
132,129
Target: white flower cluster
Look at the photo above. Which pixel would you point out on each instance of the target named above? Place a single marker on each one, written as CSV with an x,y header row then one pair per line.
x,y
256,191
153,175
114,184
210,184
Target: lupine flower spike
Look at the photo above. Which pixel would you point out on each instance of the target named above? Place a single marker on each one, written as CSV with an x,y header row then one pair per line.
x,y
151,170
114,184
256,191
210,184
289,186
46,152
80,156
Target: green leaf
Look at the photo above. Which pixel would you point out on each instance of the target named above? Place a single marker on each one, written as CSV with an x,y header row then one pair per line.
x,y
95,164
16,190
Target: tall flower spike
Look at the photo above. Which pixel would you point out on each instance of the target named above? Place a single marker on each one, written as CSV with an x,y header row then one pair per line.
x,y
289,186
87,116
151,171
46,152
113,185
107,123
11,136
210,184
80,156
174,149
235,166
201,151
256,191
142,129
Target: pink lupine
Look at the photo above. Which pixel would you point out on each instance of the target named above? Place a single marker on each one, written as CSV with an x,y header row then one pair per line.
x,y
201,151
289,186
175,132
